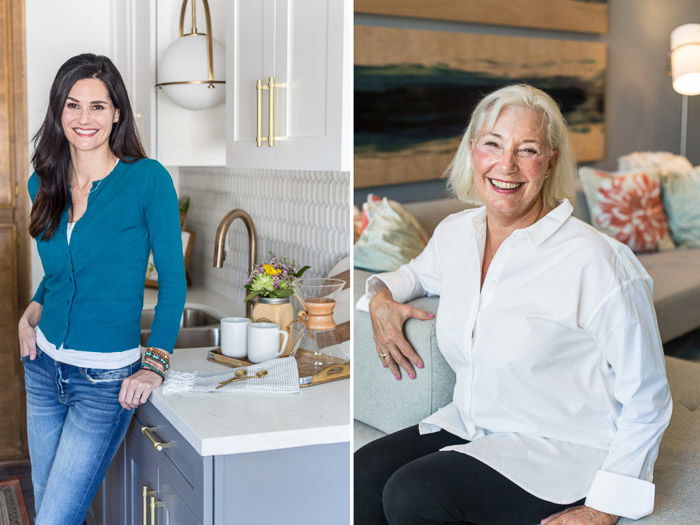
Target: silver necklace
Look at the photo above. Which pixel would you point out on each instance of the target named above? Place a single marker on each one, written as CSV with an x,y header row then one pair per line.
x,y
99,182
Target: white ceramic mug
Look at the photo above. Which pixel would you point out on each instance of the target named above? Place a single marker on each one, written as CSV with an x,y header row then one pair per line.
x,y
234,336
264,341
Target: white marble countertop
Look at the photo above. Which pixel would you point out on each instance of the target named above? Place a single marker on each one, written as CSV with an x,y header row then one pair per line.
x,y
230,423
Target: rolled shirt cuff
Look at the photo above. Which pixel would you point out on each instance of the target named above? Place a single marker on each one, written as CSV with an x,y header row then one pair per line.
x,y
372,285
621,495
401,283
38,296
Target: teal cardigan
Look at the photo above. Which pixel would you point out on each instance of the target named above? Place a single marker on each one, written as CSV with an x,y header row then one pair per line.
x,y
92,290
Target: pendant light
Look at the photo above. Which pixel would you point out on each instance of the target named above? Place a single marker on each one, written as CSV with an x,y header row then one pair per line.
x,y
191,70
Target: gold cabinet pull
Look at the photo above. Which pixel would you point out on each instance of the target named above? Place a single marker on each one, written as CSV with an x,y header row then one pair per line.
x,y
158,445
145,493
271,111
153,503
270,88
259,139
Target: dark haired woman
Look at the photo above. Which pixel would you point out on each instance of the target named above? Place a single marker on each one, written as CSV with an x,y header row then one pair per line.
x,y
99,208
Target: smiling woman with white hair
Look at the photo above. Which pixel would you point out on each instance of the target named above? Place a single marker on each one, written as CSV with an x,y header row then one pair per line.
x,y
561,395
560,180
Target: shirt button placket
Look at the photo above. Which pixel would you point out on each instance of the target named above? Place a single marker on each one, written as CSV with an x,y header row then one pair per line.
x,y
69,301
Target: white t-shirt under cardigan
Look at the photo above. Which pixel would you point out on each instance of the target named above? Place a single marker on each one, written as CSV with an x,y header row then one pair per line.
x,y
560,378
81,358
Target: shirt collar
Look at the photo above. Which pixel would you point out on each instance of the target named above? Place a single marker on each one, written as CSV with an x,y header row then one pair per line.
x,y
550,223
538,232
479,217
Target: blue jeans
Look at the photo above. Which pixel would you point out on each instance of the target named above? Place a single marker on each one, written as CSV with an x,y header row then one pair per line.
x,y
75,425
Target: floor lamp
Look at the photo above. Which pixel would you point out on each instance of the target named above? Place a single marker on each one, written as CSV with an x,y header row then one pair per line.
x,y
685,69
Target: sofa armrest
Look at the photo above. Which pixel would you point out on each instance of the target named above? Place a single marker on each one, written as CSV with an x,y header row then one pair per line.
x,y
390,405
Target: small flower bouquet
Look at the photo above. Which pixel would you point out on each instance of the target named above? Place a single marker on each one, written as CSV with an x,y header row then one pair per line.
x,y
275,278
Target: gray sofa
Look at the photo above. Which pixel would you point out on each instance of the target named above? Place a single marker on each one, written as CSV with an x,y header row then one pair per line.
x,y
383,405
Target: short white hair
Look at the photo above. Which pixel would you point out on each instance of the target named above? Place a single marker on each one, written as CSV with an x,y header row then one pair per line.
x,y
559,185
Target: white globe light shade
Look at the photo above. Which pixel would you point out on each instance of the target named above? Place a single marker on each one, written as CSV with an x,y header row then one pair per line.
x,y
185,60
685,59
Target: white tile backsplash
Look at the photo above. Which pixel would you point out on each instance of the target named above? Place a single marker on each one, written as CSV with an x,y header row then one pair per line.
x,y
304,215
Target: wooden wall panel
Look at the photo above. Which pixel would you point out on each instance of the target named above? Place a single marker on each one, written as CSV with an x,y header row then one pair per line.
x,y
14,240
11,416
6,185
19,152
562,15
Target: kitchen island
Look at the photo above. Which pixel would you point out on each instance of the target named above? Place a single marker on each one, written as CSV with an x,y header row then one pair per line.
x,y
226,458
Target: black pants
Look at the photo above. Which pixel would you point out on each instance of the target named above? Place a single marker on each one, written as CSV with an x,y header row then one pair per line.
x,y
403,479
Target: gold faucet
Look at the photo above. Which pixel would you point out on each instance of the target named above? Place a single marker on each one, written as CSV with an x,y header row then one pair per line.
x,y
219,249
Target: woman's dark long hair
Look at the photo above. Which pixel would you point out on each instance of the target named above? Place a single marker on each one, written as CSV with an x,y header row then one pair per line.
x,y
51,159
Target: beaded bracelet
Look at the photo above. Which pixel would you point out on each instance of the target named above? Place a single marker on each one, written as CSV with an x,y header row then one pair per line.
x,y
146,366
157,360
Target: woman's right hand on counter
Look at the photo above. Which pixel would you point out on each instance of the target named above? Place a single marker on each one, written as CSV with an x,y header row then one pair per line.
x,y
26,331
388,318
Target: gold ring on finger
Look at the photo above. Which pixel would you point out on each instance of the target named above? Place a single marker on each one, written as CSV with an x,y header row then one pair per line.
x,y
382,355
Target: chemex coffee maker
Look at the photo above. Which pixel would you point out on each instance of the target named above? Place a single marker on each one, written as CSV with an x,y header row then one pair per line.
x,y
314,329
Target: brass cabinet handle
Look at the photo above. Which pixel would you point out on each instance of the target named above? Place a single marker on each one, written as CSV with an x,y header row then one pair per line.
x,y
158,445
259,139
145,493
153,503
271,111
270,88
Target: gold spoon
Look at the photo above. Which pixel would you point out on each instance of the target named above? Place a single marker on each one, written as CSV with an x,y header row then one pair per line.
x,y
240,372
258,374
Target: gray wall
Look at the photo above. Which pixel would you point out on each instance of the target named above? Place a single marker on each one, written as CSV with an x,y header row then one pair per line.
x,y
642,110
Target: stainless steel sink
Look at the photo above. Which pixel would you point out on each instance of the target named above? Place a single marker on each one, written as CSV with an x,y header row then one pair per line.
x,y
190,317
199,328
193,337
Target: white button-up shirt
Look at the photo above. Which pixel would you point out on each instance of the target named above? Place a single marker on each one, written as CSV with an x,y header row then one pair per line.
x,y
560,378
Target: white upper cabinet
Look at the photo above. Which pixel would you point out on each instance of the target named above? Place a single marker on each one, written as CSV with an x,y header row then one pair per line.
x,y
134,54
250,40
303,48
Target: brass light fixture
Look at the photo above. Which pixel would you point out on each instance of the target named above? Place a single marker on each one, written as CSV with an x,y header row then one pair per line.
x,y
191,70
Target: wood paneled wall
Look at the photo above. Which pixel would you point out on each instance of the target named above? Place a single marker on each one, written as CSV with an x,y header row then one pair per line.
x,y
14,242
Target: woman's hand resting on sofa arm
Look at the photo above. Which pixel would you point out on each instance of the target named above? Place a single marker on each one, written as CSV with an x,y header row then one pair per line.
x,y
580,515
388,318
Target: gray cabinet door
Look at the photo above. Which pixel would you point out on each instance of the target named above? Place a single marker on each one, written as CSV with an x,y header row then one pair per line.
x,y
114,491
185,479
174,510
94,514
109,505
142,476
182,478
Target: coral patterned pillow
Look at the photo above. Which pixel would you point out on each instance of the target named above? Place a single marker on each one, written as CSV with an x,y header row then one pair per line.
x,y
628,207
